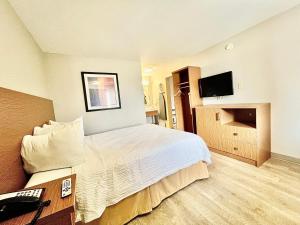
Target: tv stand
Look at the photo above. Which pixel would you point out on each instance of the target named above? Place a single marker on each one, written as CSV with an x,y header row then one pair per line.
x,y
240,131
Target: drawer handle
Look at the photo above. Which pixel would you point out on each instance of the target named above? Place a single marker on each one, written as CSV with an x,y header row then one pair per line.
x,y
235,148
217,116
235,134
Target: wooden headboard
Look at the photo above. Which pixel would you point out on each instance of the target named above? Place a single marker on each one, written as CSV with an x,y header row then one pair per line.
x,y
19,114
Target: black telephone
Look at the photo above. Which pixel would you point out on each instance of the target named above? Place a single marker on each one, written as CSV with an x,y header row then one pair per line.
x,y
18,203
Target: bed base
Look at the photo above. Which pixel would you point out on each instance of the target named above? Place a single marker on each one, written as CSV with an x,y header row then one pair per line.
x,y
146,200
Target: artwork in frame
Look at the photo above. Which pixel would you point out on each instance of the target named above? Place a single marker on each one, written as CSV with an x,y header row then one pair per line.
x,y
101,91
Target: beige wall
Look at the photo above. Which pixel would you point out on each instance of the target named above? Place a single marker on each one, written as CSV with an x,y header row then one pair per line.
x,y
65,88
266,68
25,68
21,60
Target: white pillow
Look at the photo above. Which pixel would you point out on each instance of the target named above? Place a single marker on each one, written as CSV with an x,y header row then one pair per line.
x,y
46,129
56,125
51,122
79,119
63,147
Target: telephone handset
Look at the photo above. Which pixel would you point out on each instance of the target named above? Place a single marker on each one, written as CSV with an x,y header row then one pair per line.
x,y
18,203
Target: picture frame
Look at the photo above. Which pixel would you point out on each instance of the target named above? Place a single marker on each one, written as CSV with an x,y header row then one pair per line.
x,y
101,91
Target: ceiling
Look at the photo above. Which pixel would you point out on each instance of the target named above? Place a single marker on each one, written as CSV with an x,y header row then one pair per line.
x,y
151,30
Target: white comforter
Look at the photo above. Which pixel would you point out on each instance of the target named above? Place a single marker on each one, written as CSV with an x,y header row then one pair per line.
x,y
122,162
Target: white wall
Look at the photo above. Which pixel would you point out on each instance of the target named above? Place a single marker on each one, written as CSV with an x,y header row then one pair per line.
x,y
21,60
65,88
266,68
25,68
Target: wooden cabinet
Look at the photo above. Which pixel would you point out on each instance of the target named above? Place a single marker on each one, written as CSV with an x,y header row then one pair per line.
x,y
208,123
239,131
186,97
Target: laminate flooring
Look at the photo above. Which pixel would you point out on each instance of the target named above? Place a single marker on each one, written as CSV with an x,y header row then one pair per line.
x,y
235,193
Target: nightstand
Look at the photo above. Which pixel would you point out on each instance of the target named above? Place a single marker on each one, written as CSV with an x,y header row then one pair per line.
x,y
61,211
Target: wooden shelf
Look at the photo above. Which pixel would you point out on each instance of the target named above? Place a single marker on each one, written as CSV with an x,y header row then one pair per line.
x,y
238,117
239,124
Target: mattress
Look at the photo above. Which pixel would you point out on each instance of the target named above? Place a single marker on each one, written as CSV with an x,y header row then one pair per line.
x,y
122,162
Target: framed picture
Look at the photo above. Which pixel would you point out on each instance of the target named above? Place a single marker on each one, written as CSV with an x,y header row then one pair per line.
x,y
101,91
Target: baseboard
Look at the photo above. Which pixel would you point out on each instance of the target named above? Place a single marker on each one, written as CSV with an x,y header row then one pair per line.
x,y
249,161
285,157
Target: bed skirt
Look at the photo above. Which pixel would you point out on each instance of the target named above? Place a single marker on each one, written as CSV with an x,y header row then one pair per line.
x,y
146,200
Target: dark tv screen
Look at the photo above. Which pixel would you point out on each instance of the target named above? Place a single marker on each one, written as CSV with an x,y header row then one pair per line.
x,y
217,85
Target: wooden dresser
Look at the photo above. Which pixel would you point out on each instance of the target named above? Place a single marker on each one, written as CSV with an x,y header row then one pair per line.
x,y
239,131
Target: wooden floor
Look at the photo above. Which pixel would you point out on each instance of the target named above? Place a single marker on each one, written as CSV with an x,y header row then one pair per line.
x,y
236,193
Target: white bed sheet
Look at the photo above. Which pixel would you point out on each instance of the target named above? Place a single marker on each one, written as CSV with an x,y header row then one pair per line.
x,y
122,162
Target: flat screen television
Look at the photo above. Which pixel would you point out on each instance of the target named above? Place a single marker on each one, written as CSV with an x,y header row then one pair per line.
x,y
217,85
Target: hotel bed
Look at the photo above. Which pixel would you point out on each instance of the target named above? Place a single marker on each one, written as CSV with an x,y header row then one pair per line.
x,y
128,172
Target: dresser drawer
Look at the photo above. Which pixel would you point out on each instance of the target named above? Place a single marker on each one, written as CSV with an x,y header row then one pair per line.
x,y
214,141
248,135
240,148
